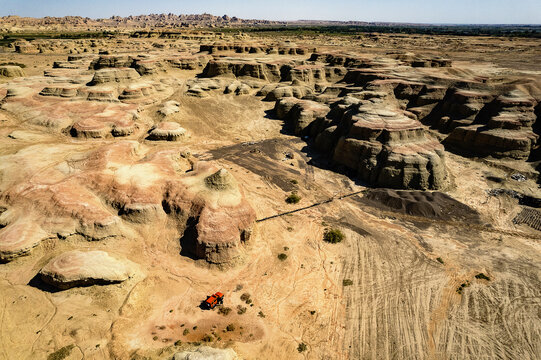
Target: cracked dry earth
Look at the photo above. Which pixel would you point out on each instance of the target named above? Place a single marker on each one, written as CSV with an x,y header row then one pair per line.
x,y
135,182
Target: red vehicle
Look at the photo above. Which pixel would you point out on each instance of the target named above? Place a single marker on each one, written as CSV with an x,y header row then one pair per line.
x,y
212,301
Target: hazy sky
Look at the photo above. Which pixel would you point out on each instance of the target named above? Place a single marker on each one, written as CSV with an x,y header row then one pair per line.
x,y
427,11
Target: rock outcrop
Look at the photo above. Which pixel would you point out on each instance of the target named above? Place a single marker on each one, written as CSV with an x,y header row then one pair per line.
x,y
84,268
167,130
19,238
11,71
206,352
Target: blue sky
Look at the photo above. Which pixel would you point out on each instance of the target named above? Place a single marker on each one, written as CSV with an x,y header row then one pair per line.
x,y
420,11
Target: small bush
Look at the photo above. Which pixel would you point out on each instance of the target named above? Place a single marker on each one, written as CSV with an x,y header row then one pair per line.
x,y
482,276
185,332
347,282
241,310
282,256
462,287
178,343
224,310
293,198
312,312
155,338
207,338
260,314
440,260
245,297
294,182
230,327
333,236
195,327
302,347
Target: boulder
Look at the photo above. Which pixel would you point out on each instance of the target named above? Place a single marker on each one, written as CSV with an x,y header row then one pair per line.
x,y
85,268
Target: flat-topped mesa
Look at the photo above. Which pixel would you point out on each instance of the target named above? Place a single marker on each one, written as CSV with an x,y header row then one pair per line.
x,y
388,149
459,107
264,70
188,61
167,130
273,92
372,137
284,48
315,73
503,128
112,61
11,71
103,76
84,268
299,113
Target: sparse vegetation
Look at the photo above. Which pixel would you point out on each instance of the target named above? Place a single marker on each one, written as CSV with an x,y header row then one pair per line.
x,y
282,256
245,297
61,353
261,314
185,332
462,287
207,338
347,282
302,347
230,327
178,343
333,236
482,276
440,260
293,198
241,310
155,338
224,310
294,182
312,312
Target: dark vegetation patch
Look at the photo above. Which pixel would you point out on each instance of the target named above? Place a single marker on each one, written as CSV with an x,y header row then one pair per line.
x,y
333,236
531,31
61,353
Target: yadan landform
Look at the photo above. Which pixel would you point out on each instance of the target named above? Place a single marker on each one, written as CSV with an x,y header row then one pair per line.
x,y
188,187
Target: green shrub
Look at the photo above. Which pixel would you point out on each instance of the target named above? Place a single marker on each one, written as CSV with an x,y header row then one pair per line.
x,y
245,297
347,282
482,276
440,260
241,310
260,314
282,256
61,353
293,198
224,310
185,332
207,338
333,236
302,347
230,327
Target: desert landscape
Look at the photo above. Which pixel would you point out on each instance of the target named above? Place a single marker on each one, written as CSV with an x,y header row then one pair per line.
x,y
353,196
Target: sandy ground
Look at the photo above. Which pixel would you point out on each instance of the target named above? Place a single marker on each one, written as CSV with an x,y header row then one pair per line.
x,y
380,294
